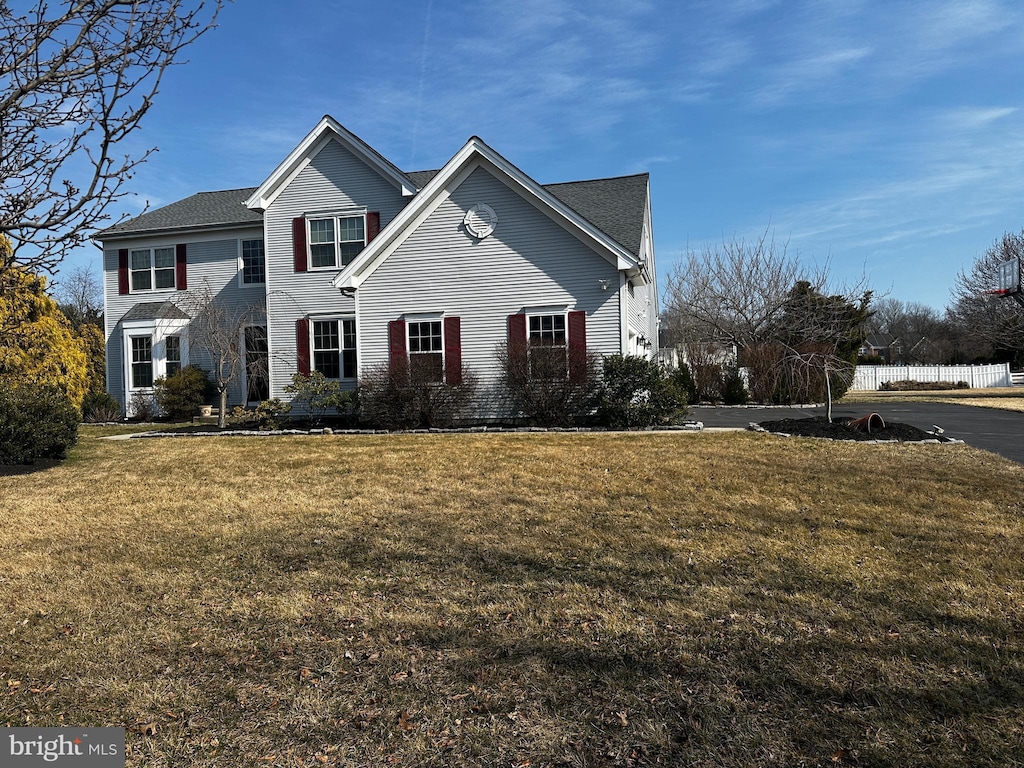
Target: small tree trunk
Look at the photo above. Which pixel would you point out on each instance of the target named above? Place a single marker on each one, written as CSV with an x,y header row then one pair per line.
x,y
222,410
828,395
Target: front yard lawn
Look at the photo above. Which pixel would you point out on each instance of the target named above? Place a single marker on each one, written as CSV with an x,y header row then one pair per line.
x,y
513,600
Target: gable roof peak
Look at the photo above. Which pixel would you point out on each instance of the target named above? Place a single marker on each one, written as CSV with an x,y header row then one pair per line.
x,y
476,151
327,129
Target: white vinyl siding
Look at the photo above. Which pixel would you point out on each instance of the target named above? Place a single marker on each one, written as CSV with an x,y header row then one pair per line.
x,y
334,181
528,261
213,260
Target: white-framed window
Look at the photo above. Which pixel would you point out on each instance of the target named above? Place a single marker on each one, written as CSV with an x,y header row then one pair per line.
x,y
253,262
426,350
152,269
334,347
548,346
141,362
152,349
172,355
334,241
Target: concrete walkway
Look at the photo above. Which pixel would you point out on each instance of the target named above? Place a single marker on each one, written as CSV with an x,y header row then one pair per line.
x,y
993,430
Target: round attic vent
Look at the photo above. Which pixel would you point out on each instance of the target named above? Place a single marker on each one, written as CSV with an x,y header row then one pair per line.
x,y
480,220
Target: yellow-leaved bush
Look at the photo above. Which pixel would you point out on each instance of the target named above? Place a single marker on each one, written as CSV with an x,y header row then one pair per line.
x,y
37,344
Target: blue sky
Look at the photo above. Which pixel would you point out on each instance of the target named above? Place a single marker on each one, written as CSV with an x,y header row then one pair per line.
x,y
882,138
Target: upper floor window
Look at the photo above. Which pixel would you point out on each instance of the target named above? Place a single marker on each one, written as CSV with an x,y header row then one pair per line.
x,y
426,351
334,348
336,240
254,269
152,268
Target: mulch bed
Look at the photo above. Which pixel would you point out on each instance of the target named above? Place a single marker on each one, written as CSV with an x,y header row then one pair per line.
x,y
841,430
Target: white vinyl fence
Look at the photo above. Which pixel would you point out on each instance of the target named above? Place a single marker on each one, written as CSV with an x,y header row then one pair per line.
x,y
871,377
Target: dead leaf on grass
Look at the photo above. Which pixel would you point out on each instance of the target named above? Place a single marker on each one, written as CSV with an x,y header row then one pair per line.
x,y
403,721
146,729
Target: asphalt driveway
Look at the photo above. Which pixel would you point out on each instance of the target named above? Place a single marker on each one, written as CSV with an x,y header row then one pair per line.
x,y
993,430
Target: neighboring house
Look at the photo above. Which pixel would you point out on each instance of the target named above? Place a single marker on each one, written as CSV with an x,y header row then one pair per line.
x,y
883,345
351,262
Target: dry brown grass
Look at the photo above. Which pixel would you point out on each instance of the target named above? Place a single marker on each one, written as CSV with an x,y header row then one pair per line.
x,y
576,600
1002,398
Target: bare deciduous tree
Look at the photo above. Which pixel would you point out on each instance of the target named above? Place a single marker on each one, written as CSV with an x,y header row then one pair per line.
x,y
79,294
997,323
793,332
732,292
76,78
217,327
921,334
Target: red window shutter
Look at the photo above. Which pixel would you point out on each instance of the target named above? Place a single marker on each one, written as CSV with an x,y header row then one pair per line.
x,y
302,345
396,342
299,243
372,225
518,360
181,265
122,271
453,350
577,346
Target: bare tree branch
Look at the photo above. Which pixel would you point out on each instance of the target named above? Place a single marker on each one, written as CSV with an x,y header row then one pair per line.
x,y
217,329
732,292
74,82
995,323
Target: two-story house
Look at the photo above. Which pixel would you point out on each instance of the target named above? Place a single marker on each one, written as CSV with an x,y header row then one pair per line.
x,y
348,262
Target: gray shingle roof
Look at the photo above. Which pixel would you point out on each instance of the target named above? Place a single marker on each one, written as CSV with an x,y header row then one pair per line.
x,y
202,210
420,178
614,205
155,310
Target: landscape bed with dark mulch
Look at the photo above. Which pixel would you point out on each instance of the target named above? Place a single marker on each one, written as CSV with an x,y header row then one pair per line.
x,y
840,429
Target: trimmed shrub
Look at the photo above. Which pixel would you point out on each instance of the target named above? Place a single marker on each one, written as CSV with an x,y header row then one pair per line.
x,y
36,423
180,395
142,407
99,407
394,397
269,414
909,385
637,392
314,394
549,386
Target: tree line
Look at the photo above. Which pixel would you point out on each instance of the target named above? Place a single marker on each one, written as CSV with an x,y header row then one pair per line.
x,y
799,335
